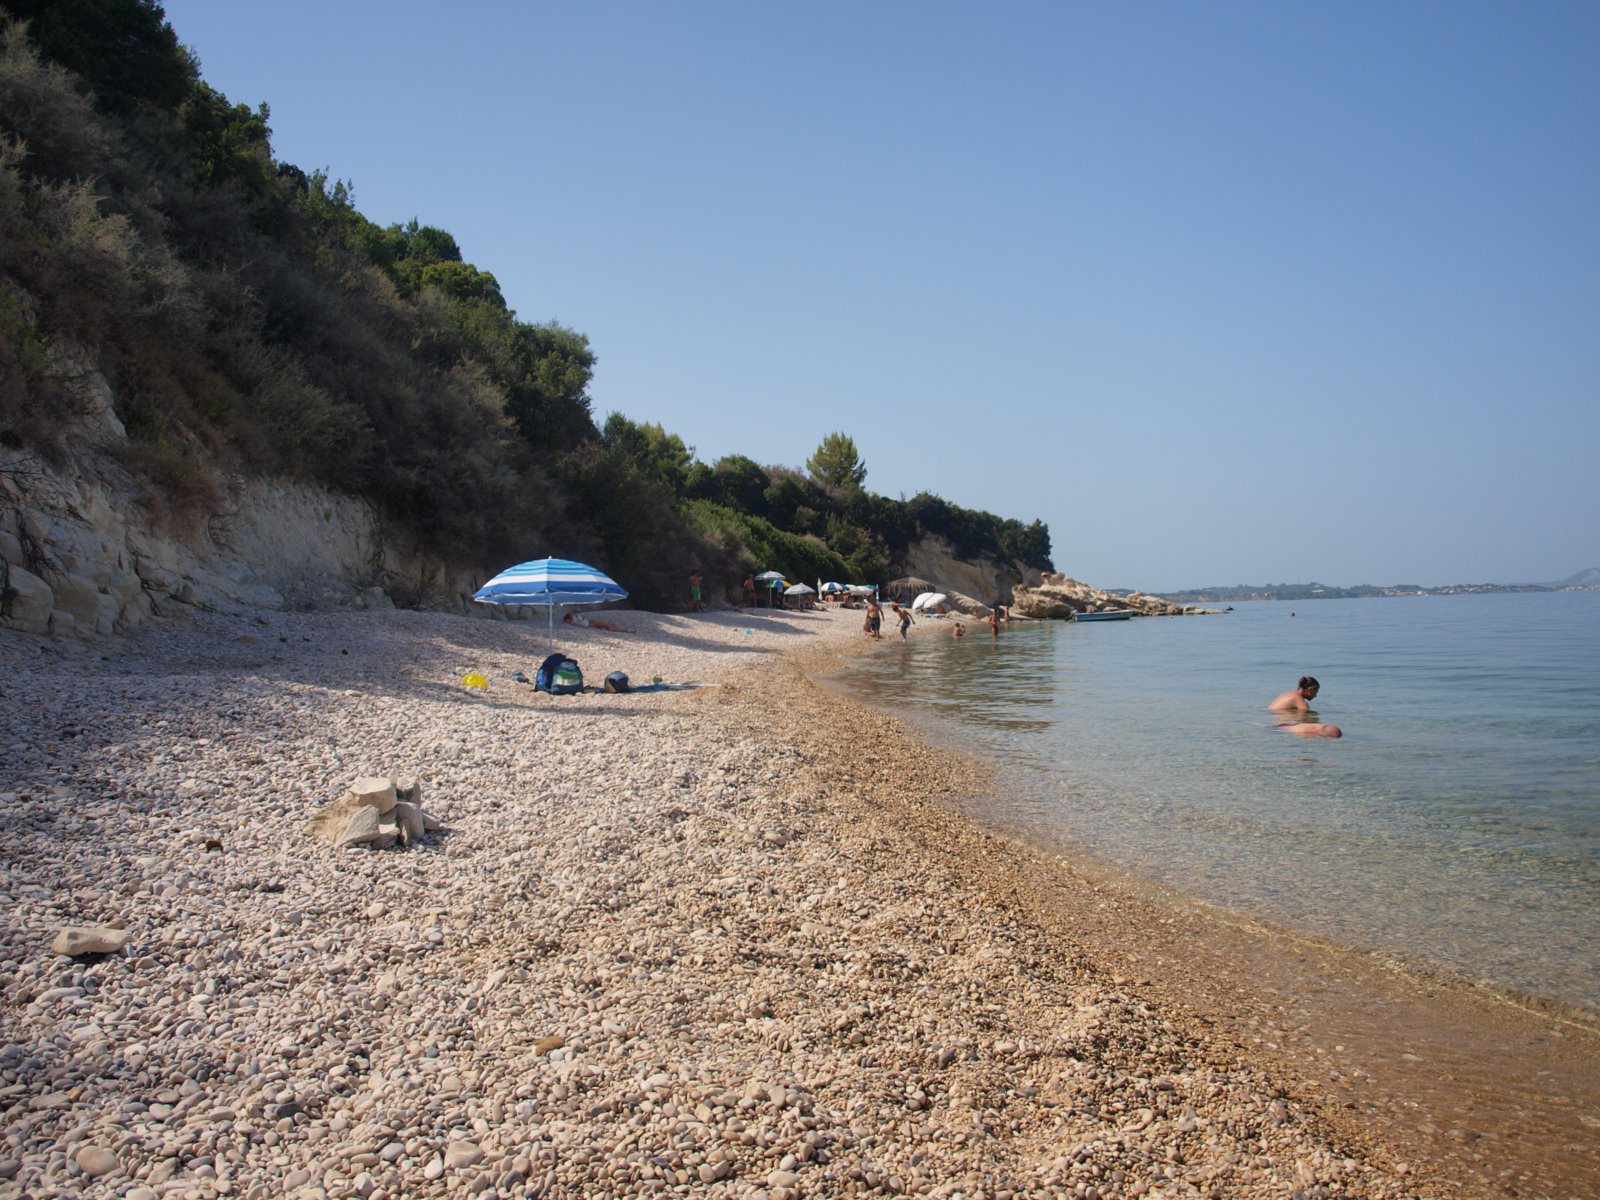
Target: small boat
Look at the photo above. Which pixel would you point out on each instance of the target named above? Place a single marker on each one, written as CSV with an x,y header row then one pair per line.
x,y
1115,614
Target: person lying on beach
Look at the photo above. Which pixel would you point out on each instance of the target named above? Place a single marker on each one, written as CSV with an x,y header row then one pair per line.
x,y
1298,700
594,623
1311,729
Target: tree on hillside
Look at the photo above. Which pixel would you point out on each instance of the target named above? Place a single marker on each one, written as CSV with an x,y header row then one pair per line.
x,y
124,48
836,463
659,454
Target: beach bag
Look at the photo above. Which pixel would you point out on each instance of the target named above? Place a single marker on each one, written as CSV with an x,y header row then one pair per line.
x,y
616,682
559,676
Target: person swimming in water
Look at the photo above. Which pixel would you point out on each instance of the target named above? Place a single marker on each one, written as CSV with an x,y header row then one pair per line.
x,y
1312,729
1299,699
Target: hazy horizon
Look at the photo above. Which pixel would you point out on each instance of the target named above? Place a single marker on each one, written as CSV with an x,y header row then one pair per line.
x,y
1231,291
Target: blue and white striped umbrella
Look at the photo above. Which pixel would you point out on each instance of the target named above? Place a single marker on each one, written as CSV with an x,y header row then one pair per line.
x,y
553,582
550,581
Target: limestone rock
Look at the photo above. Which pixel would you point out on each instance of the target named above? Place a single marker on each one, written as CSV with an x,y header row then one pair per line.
x,y
329,821
28,601
93,610
409,817
76,941
362,827
1059,596
375,791
370,814
388,833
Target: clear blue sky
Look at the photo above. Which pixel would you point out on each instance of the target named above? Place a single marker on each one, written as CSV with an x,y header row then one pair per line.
x,y
1223,292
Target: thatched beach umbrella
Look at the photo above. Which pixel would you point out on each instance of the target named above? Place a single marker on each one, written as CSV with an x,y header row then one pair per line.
x,y
907,589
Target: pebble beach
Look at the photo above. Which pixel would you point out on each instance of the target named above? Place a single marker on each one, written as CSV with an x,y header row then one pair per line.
x,y
726,938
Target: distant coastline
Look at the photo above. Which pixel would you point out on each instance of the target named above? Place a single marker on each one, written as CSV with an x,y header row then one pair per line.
x,y
1587,580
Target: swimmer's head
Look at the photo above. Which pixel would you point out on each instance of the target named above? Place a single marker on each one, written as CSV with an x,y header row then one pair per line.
x,y
1309,686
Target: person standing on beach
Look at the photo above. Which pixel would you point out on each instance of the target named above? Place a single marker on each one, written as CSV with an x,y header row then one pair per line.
x,y
904,614
694,591
1299,699
749,592
874,619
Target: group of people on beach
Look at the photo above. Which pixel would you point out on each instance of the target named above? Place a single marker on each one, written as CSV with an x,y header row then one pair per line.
x,y
872,624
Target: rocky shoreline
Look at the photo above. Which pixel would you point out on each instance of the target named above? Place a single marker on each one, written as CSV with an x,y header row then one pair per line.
x,y
723,941
1056,597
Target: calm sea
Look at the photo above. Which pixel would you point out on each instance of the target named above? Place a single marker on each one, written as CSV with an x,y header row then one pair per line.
x,y
1456,823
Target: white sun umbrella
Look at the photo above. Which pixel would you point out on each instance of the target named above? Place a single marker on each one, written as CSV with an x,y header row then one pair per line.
x,y
800,589
927,600
552,582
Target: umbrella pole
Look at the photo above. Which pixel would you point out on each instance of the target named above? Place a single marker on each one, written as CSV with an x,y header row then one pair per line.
x,y
551,610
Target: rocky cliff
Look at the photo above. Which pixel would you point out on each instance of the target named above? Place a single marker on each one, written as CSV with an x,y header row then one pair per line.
x,y
972,586
1061,596
81,553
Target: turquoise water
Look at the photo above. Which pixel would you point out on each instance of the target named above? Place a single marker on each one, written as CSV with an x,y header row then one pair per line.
x,y
1457,822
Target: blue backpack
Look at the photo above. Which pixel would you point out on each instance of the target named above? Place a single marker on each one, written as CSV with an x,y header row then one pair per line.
x,y
559,676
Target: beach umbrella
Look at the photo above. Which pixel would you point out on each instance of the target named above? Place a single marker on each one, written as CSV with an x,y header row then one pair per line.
x,y
772,579
552,582
927,600
800,589
829,589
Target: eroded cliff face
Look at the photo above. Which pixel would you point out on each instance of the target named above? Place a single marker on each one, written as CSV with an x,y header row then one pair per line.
x,y
80,554
974,585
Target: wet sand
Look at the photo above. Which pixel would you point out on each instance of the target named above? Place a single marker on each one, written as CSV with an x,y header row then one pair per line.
x,y
1483,1091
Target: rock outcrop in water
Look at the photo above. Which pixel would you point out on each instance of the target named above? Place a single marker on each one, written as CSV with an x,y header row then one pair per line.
x,y
1061,596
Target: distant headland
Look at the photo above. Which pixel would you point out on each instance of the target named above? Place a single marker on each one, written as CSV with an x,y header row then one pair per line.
x,y
1586,580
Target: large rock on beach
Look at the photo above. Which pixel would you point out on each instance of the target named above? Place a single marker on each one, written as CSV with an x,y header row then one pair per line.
x,y
372,813
74,942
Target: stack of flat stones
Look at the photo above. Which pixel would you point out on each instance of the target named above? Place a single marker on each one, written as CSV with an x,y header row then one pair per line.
x,y
377,812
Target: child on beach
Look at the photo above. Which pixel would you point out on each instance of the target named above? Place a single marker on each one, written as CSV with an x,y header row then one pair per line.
x,y
904,616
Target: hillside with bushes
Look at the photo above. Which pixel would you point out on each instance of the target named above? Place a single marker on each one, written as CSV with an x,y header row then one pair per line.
x,y
249,319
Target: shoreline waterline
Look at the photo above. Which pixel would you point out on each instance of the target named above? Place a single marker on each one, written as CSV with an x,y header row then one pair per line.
x,y
1422,1056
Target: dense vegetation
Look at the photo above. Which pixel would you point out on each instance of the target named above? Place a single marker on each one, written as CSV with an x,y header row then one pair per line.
x,y
249,317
